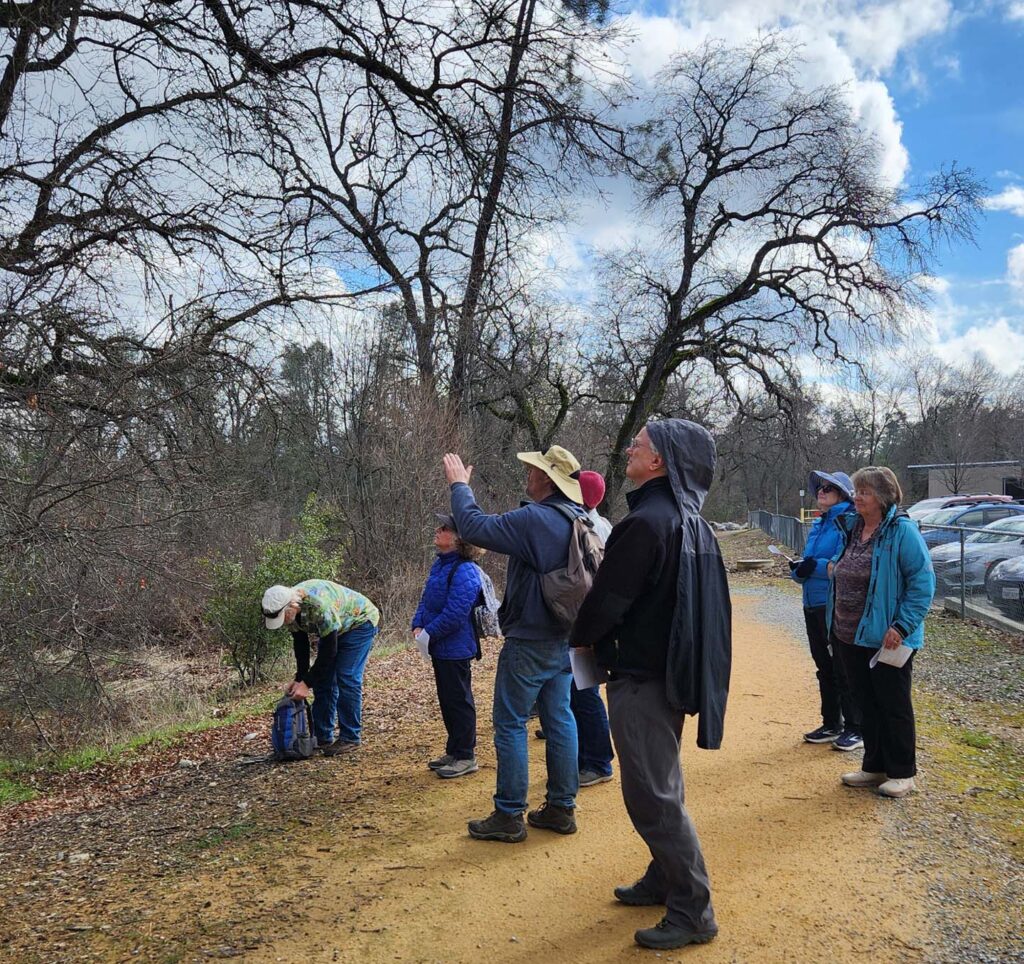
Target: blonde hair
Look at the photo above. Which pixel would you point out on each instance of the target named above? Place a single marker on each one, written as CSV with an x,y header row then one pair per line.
x,y
467,551
883,482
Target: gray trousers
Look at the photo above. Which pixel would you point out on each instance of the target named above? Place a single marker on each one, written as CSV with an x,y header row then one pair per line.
x,y
647,731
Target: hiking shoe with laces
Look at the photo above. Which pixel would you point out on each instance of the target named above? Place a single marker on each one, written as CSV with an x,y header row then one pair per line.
x,y
552,817
848,740
823,734
441,761
637,895
897,787
664,936
506,827
457,768
862,778
339,747
589,778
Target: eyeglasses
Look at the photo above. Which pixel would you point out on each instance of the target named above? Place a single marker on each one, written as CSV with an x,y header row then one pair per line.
x,y
828,489
636,443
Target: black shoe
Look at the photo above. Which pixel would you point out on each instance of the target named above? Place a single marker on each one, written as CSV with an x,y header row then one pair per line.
x,y
552,817
664,936
540,734
637,895
823,734
506,827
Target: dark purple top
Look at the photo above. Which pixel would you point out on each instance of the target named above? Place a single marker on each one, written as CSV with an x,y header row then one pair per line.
x,y
852,577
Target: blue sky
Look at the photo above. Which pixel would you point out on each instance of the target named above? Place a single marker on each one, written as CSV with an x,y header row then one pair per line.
x,y
943,82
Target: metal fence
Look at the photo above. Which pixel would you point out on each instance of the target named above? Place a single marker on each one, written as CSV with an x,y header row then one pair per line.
x,y
785,528
980,576
980,572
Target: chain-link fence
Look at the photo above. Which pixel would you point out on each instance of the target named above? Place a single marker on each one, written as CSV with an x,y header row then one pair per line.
x,y
980,572
783,528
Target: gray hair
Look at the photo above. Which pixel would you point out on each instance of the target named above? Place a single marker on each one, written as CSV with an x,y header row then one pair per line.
x,y
882,482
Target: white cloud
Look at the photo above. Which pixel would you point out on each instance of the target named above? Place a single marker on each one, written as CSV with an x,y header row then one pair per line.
x,y
1008,199
1000,341
1015,10
1015,270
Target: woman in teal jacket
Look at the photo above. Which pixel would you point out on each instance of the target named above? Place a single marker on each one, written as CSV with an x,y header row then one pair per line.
x,y
840,718
882,587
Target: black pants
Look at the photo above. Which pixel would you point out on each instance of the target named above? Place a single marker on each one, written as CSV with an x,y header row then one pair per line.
x,y
887,724
454,678
839,709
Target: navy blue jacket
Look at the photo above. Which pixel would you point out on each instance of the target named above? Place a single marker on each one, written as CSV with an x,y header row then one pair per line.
x,y
535,537
823,542
446,613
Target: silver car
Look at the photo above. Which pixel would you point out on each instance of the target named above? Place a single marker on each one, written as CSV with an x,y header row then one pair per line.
x,y
1000,540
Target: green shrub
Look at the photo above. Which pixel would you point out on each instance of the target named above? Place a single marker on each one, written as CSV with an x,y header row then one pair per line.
x,y
234,608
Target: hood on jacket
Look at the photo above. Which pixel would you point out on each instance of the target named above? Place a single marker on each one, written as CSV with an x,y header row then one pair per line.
x,y
690,456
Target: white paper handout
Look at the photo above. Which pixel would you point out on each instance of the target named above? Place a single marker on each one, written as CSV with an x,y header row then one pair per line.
x,y
893,657
776,551
423,643
585,670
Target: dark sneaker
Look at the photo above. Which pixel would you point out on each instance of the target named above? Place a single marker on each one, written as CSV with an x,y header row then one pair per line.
x,y
338,747
637,895
822,734
551,817
506,827
540,734
441,761
457,768
665,936
848,740
589,778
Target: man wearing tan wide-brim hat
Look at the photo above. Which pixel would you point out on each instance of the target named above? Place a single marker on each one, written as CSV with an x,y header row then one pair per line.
x,y
560,466
534,662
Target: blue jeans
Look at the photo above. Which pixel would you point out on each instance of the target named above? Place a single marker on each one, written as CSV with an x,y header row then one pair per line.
x,y
595,751
534,670
340,698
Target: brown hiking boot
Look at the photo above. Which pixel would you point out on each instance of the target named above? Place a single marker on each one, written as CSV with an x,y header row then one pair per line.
x,y
552,817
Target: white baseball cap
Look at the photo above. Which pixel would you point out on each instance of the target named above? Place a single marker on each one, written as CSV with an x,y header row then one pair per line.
x,y
275,599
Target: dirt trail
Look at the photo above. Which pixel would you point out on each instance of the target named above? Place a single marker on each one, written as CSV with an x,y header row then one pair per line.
x,y
800,869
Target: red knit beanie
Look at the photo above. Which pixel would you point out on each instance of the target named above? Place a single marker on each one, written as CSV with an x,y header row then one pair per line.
x,y
592,487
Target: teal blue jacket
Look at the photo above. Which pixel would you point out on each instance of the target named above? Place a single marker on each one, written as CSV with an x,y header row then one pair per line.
x,y
902,581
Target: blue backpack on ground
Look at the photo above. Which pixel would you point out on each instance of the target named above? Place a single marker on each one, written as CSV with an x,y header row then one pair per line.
x,y
291,733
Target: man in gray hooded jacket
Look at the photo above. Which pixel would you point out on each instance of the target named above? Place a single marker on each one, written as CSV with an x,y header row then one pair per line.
x,y
659,620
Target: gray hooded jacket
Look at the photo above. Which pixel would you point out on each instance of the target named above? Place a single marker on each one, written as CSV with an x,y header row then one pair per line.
x,y
700,645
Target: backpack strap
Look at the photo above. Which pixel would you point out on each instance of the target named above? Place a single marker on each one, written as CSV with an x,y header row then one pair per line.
x,y
565,511
451,572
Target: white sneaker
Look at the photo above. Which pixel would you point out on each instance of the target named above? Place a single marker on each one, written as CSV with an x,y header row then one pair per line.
x,y
861,778
898,787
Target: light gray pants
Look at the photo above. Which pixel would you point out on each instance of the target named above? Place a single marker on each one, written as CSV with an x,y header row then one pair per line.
x,y
647,731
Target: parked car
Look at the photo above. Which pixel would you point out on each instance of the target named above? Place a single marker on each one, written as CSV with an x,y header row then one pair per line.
x,y
926,506
1005,587
971,516
1001,540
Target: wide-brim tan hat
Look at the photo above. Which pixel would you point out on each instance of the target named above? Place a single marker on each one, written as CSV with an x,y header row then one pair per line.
x,y
559,465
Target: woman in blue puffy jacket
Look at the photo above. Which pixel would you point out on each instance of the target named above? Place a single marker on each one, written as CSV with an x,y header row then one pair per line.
x,y
445,618
882,586
840,717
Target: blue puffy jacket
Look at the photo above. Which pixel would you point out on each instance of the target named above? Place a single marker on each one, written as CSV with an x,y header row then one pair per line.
x,y
902,581
823,542
445,612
